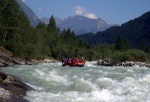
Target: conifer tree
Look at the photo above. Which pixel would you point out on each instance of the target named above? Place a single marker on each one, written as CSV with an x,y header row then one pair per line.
x,y
52,25
126,44
42,45
1,34
16,30
121,44
54,38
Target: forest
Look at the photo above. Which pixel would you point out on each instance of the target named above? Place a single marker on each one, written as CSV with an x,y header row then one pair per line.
x,y
47,41
136,32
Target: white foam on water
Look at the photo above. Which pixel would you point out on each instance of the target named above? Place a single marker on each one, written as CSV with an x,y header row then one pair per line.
x,y
35,96
146,78
103,95
74,96
49,76
91,64
39,73
104,86
51,64
53,75
35,87
89,83
104,82
130,89
75,77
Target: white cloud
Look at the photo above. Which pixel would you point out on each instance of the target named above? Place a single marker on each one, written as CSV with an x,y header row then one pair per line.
x,y
39,9
90,15
23,0
81,11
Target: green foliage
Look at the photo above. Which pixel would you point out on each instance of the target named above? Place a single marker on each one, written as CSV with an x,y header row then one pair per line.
x,y
53,38
147,50
1,28
130,55
69,37
12,19
90,55
16,33
105,51
121,44
52,25
138,54
43,41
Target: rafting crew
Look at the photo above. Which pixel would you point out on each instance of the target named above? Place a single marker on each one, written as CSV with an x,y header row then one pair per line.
x,y
73,62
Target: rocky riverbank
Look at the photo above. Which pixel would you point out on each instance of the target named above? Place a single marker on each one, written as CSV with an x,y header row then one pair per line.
x,y
108,62
11,89
7,59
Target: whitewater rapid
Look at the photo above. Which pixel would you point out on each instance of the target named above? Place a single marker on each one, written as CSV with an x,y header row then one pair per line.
x,y
92,83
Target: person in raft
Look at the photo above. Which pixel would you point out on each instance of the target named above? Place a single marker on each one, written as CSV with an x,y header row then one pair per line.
x,y
73,61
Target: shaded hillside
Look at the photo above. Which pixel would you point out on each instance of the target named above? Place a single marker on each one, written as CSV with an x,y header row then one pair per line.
x,y
34,20
136,32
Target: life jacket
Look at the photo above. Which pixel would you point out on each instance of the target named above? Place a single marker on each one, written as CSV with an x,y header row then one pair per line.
x,y
68,61
73,62
82,61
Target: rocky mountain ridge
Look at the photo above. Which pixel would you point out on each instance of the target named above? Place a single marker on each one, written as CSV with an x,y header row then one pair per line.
x,y
80,24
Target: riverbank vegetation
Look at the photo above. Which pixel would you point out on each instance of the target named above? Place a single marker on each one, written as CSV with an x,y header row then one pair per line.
x,y
47,41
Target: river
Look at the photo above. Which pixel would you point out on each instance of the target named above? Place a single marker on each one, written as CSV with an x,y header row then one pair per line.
x,y
92,83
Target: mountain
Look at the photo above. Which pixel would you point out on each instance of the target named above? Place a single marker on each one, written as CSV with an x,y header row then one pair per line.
x,y
80,24
136,32
46,20
34,20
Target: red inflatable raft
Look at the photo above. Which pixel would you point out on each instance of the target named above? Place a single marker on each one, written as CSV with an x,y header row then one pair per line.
x,y
73,62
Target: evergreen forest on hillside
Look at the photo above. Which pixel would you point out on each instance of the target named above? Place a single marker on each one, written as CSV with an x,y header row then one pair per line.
x,y
136,32
18,36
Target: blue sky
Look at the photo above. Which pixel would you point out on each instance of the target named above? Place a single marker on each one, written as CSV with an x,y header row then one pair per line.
x,y
112,11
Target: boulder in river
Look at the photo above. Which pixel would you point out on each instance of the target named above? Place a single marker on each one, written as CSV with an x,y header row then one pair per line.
x,y
12,88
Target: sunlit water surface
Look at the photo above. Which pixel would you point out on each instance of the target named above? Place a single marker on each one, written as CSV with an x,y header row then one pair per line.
x,y
54,83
